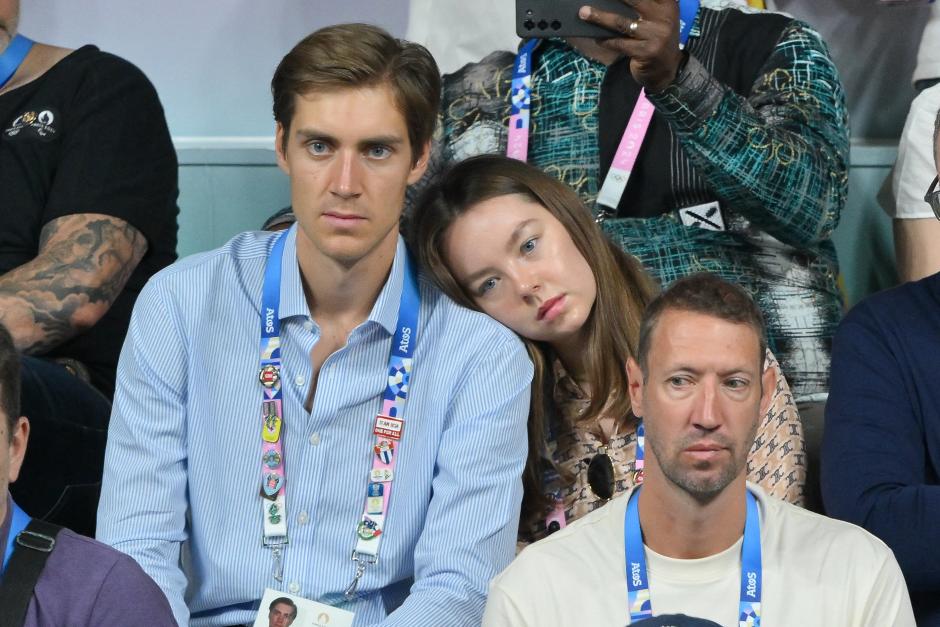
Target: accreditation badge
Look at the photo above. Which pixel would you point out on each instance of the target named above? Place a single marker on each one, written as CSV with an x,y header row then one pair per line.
x,y
283,608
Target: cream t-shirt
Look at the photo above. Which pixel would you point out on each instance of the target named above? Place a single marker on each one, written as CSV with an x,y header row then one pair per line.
x,y
816,571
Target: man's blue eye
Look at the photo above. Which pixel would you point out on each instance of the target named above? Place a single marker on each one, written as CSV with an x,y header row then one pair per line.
x,y
380,152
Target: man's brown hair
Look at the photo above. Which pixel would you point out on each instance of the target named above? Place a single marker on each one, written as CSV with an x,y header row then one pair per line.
x,y
701,293
350,56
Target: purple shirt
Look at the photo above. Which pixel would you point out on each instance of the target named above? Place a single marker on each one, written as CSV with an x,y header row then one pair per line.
x,y
88,583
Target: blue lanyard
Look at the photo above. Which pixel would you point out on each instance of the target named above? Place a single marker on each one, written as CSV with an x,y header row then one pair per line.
x,y
517,146
18,521
638,590
12,57
688,9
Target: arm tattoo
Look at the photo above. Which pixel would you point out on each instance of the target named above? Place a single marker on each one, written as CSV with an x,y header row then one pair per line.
x,y
84,261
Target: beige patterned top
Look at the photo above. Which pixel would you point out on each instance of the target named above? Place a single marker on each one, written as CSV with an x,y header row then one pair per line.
x,y
777,461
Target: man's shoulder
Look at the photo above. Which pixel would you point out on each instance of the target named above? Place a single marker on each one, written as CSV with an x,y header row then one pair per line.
x,y
221,276
79,566
473,327
802,537
740,31
582,544
72,549
91,62
247,248
84,581
898,307
925,104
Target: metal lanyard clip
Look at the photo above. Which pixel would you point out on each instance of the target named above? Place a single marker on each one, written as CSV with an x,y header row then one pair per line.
x,y
602,214
362,561
278,568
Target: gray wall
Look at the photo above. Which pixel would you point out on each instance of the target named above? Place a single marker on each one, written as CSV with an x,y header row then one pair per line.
x,y
211,61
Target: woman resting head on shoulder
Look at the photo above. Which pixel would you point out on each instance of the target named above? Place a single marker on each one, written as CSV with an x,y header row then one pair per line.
x,y
502,237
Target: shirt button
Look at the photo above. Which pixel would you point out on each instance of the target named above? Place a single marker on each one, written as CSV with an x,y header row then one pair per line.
x,y
294,587
315,439
303,518
299,380
308,324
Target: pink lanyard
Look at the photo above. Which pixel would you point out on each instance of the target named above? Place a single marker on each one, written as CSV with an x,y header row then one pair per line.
x,y
615,183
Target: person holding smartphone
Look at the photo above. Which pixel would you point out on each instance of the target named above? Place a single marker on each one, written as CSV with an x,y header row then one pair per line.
x,y
742,169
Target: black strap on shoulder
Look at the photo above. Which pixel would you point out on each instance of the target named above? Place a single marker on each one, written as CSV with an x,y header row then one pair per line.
x,y
33,547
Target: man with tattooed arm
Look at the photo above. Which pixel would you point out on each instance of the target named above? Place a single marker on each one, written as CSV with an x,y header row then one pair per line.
x,y
88,186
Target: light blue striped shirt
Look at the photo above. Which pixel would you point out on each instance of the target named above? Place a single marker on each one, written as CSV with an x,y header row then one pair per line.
x,y
182,469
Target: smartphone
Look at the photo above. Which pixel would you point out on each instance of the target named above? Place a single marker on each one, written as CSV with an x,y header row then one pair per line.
x,y
559,18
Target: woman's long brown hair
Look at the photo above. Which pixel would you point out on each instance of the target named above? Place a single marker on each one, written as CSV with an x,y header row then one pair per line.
x,y
623,290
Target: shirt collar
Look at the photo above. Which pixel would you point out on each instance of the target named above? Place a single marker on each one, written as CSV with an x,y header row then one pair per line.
x,y
5,525
385,309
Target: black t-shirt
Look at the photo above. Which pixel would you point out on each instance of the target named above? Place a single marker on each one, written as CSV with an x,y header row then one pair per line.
x,y
88,136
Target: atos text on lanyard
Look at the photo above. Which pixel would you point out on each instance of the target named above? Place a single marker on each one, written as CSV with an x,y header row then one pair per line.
x,y
638,590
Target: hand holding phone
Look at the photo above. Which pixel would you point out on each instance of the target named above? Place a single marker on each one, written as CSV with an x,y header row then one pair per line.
x,y
651,40
559,18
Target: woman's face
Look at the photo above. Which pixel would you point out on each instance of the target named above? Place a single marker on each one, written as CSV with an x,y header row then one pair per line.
x,y
521,267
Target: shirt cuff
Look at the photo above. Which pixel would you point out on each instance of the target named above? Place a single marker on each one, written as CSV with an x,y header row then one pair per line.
x,y
691,98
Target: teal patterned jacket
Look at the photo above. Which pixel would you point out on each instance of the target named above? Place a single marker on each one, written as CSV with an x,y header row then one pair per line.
x,y
755,120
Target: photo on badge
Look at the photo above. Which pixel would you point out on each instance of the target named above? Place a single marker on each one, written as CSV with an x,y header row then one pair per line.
x,y
280,609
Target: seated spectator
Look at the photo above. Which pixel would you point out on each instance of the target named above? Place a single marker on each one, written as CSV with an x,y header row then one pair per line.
x,y
695,538
742,172
916,229
51,576
344,323
881,460
503,237
88,178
